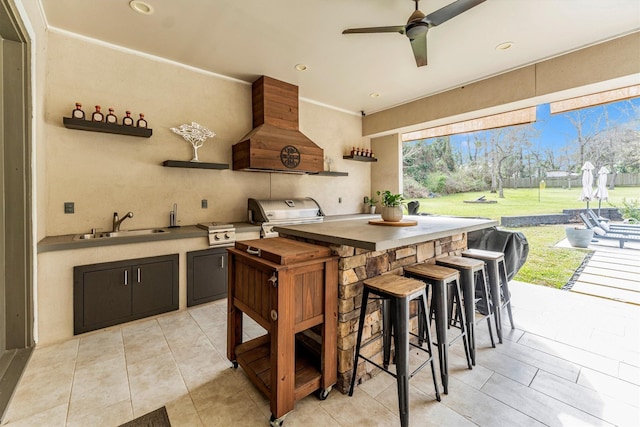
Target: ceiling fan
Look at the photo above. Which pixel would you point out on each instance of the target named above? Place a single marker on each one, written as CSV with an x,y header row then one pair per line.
x,y
418,25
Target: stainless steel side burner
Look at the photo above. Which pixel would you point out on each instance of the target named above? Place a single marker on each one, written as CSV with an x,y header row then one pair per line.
x,y
220,235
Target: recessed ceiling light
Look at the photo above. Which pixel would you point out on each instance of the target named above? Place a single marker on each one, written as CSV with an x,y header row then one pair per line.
x,y
301,67
374,94
141,7
504,46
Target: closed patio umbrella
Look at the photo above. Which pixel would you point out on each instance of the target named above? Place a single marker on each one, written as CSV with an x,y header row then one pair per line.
x,y
587,183
601,191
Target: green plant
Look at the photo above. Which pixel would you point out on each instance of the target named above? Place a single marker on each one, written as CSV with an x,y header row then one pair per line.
x,y
389,199
372,202
630,209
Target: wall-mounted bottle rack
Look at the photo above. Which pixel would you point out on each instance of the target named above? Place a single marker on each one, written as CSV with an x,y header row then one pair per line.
x,y
89,125
360,158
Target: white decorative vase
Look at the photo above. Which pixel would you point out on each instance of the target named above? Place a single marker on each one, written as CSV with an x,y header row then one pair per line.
x,y
392,213
579,237
372,209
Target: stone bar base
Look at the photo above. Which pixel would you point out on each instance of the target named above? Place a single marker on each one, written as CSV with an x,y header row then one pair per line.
x,y
356,265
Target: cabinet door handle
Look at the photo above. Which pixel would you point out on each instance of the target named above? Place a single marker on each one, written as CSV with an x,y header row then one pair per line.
x,y
138,274
126,277
221,262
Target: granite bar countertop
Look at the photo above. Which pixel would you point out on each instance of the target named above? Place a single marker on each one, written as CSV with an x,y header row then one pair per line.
x,y
360,234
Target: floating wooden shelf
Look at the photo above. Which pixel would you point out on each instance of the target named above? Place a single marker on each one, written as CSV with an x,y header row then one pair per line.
x,y
331,173
80,124
194,165
360,158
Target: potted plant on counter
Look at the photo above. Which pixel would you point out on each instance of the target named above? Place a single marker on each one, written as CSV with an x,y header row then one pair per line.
x,y
391,206
371,203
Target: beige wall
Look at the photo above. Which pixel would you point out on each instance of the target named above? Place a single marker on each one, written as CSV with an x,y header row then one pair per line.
x,y
606,66
103,173
386,174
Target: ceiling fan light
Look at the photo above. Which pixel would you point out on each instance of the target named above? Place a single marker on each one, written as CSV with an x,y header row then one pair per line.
x,y
141,7
417,30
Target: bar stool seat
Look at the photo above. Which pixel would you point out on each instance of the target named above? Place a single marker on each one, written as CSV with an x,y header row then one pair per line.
x,y
440,278
471,273
498,284
397,291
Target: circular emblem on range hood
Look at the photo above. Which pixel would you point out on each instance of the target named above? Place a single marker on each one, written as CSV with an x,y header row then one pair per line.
x,y
290,156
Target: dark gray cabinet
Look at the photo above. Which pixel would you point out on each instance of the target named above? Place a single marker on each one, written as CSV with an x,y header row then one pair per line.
x,y
206,275
107,294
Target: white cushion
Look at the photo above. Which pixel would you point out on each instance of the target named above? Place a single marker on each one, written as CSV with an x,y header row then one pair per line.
x,y
599,231
605,226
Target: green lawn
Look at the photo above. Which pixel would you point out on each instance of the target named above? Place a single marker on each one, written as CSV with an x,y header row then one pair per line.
x,y
546,265
522,201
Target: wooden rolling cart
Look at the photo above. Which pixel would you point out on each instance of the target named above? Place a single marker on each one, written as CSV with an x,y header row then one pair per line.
x,y
290,288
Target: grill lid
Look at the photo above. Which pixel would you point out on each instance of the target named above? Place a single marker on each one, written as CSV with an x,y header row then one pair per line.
x,y
284,211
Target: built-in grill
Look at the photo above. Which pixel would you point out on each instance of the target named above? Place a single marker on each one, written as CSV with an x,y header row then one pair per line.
x,y
274,212
220,235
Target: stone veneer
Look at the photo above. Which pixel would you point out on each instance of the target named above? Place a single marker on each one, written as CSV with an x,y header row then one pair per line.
x,y
356,265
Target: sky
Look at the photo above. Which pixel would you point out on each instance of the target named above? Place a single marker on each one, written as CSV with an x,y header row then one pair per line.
x,y
556,131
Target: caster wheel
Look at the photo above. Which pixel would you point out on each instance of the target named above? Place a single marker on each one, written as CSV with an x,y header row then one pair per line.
x,y
235,364
276,422
323,394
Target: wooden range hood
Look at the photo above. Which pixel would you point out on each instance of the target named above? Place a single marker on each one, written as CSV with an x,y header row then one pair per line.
x,y
275,144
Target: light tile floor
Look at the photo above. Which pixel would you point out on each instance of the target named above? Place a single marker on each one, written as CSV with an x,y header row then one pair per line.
x,y
573,360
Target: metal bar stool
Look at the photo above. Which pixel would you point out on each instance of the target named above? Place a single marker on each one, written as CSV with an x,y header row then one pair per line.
x,y
439,279
397,291
471,273
498,284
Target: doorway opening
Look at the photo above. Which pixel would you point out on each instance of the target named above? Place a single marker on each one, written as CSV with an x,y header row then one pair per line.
x,y
16,247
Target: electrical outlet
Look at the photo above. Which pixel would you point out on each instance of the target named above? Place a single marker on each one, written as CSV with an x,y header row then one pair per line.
x,y
69,207
204,203
366,199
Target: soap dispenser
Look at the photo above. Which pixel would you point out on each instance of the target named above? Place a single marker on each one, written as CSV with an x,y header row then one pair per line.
x,y
173,215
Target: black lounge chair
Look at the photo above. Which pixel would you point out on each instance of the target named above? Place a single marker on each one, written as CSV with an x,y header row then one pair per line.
x,y
614,228
599,233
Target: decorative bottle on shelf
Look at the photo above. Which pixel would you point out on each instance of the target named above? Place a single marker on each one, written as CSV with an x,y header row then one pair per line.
x,y
142,123
366,152
127,120
353,151
97,116
111,118
78,113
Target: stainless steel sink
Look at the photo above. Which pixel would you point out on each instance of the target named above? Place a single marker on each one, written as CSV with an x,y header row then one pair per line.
x,y
122,233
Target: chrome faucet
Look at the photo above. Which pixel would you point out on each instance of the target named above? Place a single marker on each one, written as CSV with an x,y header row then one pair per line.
x,y
117,221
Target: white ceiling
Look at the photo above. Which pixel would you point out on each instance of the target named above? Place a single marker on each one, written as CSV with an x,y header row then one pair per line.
x,y
250,38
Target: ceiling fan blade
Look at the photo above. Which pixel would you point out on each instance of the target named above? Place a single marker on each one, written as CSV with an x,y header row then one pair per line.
x,y
450,11
393,29
419,47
